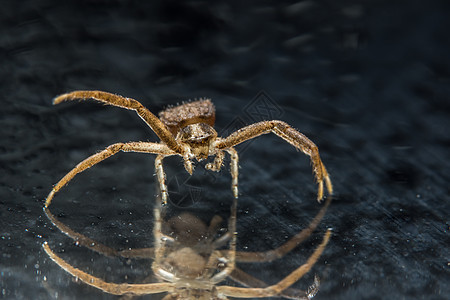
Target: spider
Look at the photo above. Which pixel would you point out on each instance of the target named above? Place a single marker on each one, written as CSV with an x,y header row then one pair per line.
x,y
187,130
189,265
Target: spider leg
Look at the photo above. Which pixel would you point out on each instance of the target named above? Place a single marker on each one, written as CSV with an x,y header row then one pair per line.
x,y
249,281
289,134
231,260
161,175
282,285
148,279
143,147
128,103
111,288
279,252
234,169
187,159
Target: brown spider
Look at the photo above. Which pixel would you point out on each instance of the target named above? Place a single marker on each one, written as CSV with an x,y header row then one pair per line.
x,y
186,130
189,265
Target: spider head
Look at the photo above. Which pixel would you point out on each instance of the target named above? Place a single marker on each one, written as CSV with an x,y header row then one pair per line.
x,y
198,137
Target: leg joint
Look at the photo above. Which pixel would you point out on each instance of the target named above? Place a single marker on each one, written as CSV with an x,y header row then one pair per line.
x,y
116,147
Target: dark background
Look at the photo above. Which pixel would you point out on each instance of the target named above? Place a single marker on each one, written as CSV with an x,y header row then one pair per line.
x,y
367,81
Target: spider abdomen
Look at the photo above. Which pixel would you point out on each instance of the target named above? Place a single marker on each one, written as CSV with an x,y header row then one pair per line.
x,y
178,117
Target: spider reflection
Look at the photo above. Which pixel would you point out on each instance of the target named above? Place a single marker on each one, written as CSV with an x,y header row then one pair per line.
x,y
191,258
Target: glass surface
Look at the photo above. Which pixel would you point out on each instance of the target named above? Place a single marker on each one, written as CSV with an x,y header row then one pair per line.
x,y
368,82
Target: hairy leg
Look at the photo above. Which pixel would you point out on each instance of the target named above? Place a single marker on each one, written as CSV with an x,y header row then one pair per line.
x,y
112,99
293,137
234,169
109,151
128,103
231,256
161,175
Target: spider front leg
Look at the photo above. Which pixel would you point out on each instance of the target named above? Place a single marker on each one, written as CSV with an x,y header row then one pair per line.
x,y
128,103
293,137
92,160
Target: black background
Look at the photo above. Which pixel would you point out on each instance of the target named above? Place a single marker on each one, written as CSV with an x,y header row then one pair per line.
x,y
367,81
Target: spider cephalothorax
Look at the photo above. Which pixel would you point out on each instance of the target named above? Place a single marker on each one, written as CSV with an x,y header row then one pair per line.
x,y
192,124
187,130
199,137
